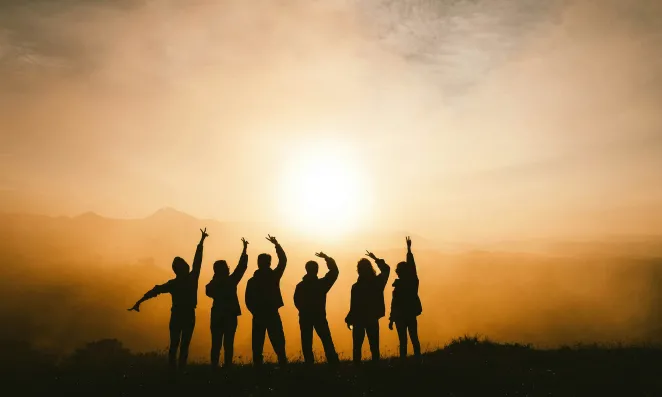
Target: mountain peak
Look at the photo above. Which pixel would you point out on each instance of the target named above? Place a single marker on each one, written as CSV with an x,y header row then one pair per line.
x,y
169,213
88,215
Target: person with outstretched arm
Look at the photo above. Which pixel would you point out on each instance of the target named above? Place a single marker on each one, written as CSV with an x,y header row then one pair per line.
x,y
224,312
184,291
406,304
263,299
367,305
310,300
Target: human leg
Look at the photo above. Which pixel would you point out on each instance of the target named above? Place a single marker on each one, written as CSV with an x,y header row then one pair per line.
x,y
306,328
175,328
401,326
258,333
216,339
188,324
372,329
230,328
323,331
358,335
277,337
413,334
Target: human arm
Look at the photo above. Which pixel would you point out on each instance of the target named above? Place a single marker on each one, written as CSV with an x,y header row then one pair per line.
x,y
240,270
392,316
154,292
332,275
410,258
384,269
349,319
250,296
197,260
282,258
211,288
298,299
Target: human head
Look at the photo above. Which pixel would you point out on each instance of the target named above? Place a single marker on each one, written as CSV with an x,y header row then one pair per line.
x,y
263,261
312,268
401,269
221,268
180,267
364,268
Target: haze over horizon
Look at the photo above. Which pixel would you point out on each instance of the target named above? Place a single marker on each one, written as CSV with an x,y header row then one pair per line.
x,y
68,281
339,125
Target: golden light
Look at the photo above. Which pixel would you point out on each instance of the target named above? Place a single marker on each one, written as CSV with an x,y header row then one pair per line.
x,y
322,191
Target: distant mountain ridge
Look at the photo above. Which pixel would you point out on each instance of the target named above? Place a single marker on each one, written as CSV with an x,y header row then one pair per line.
x,y
168,232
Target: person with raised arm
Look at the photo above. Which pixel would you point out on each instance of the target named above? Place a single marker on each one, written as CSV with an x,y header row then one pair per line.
x,y
310,300
406,305
367,305
263,299
184,291
224,312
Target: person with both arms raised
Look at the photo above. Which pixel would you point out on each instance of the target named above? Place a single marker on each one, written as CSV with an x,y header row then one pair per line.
x,y
224,312
310,300
184,291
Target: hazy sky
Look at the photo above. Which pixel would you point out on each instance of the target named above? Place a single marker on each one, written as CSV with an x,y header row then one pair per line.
x,y
454,118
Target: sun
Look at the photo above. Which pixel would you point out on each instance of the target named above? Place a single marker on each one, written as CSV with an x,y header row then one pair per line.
x,y
322,191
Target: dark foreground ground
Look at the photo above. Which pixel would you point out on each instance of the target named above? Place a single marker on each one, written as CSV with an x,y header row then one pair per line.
x,y
466,367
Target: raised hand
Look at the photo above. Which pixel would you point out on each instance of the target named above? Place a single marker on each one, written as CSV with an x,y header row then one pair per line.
x,y
243,240
408,240
321,255
370,255
272,239
204,234
135,308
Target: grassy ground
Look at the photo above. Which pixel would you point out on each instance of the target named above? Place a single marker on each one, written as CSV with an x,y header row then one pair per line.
x,y
465,367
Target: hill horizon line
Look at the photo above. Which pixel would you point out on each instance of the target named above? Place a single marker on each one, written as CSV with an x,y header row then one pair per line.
x,y
171,214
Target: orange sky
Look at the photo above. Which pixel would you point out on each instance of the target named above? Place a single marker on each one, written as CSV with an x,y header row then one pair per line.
x,y
452,119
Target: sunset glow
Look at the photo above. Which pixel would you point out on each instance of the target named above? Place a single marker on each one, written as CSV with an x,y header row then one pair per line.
x,y
321,191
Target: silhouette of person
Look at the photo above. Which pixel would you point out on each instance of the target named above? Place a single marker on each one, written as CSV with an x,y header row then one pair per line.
x,y
263,299
310,300
184,291
367,305
406,305
224,312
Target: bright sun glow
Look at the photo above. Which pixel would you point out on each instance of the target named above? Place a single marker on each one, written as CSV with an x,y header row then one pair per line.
x,y
322,191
